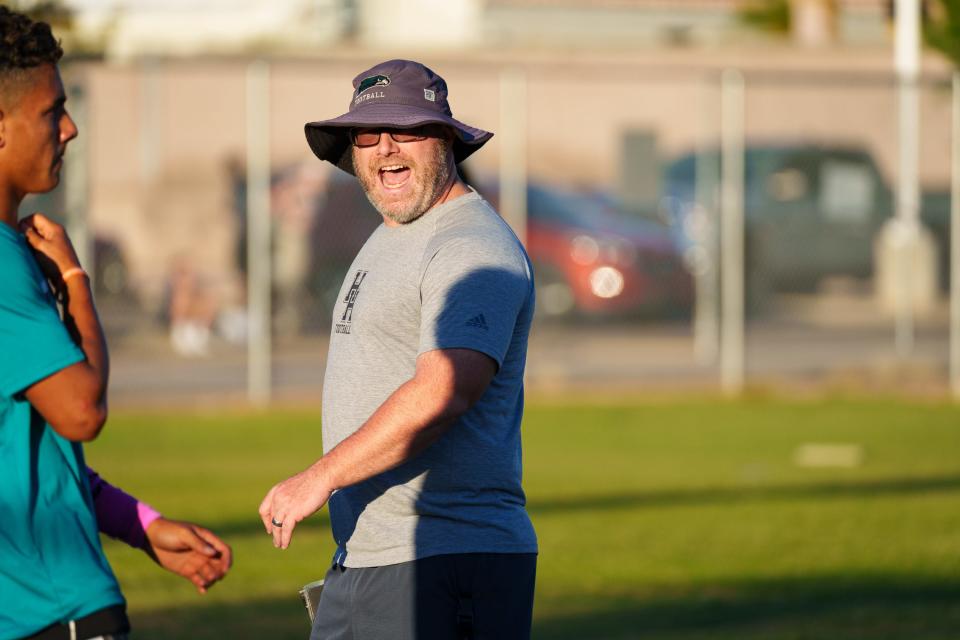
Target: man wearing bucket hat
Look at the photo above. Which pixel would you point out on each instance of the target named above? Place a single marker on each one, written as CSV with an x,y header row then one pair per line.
x,y
423,392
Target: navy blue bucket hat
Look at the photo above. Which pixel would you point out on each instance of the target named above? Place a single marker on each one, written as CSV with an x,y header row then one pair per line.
x,y
399,94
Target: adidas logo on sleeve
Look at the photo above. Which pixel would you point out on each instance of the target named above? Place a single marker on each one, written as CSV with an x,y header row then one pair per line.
x,y
477,321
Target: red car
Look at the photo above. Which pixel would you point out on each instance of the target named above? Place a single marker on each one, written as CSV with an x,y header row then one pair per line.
x,y
590,260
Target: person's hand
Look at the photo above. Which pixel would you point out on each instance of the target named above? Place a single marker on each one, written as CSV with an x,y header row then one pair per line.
x,y
52,247
291,501
189,550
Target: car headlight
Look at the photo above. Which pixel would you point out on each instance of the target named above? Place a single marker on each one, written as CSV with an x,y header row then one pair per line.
x,y
584,250
606,282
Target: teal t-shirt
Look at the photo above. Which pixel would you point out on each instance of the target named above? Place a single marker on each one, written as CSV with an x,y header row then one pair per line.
x,y
52,567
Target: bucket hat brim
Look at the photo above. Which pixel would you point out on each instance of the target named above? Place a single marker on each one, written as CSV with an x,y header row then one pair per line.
x,y
330,139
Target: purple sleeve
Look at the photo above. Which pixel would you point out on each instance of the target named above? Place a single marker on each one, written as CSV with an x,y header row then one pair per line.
x,y
119,515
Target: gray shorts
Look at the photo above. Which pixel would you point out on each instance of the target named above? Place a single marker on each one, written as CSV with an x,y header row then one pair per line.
x,y
477,596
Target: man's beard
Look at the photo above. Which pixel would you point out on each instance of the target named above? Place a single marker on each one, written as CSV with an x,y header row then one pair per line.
x,y
429,183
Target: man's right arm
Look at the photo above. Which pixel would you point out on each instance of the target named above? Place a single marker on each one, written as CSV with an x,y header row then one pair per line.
x,y
74,399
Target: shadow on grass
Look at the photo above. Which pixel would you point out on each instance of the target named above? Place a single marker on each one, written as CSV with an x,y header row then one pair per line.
x,y
870,608
677,497
729,495
253,526
853,608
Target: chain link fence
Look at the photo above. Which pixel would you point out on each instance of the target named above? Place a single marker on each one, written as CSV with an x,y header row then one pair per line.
x,y
621,163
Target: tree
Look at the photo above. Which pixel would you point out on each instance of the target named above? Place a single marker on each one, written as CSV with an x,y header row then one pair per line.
x,y
941,29
53,12
772,16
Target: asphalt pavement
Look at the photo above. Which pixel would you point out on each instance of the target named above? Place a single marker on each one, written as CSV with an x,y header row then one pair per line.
x,y
812,342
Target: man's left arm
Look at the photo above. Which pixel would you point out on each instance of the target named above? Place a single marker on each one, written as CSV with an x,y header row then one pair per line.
x,y
445,384
183,548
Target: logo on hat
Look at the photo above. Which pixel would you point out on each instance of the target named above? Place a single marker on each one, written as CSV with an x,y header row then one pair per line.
x,y
430,95
371,82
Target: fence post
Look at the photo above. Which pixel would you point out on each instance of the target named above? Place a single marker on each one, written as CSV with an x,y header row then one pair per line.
x,y
732,239
513,149
76,187
906,241
258,234
955,243
706,311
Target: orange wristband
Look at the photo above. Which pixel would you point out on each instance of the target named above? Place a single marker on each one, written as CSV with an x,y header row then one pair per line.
x,y
69,273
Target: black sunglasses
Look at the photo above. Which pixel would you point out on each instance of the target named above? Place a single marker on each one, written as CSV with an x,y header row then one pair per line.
x,y
371,137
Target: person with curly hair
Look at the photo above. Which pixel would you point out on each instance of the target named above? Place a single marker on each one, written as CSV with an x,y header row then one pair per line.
x,y
54,579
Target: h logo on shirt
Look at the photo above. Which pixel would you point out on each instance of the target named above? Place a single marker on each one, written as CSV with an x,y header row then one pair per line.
x,y
351,299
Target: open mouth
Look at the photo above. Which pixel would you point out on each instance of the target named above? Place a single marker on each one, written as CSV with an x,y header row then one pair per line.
x,y
394,176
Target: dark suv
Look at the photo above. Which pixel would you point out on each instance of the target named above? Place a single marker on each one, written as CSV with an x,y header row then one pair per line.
x,y
810,211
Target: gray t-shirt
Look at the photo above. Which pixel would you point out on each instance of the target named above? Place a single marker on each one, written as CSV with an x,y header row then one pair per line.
x,y
457,277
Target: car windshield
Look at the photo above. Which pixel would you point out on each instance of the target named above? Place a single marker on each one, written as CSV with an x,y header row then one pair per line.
x,y
549,206
587,211
681,174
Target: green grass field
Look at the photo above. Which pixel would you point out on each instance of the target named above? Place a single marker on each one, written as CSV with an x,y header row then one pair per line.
x,y
675,520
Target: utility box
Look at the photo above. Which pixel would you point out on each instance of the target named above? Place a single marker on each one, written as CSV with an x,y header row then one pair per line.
x,y
906,259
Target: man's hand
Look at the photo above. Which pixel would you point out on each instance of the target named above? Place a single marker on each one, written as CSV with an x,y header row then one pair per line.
x,y
291,501
54,251
188,550
446,384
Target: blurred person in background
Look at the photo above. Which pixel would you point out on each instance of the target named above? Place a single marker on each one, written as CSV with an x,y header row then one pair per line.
x,y
423,393
296,196
192,308
54,579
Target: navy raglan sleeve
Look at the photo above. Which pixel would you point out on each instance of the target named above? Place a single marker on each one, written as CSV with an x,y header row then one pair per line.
x,y
472,292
